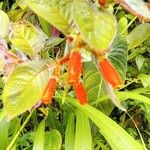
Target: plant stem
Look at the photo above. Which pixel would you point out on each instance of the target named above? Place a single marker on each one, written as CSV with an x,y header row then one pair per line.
x,y
19,131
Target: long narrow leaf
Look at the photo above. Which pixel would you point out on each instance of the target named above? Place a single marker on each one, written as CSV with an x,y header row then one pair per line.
x,y
39,137
117,137
69,134
83,139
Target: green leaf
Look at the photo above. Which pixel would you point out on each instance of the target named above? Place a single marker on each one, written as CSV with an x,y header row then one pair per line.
x,y
138,8
45,26
70,133
4,126
122,24
32,40
21,3
98,27
16,15
145,79
39,137
92,81
143,32
134,96
118,55
55,12
4,24
139,61
83,139
113,133
95,87
52,140
53,41
25,86
124,96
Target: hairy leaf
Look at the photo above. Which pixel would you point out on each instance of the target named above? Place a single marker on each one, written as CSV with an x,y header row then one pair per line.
x,y
27,38
4,24
83,139
56,12
39,137
137,7
98,27
118,55
25,86
138,35
52,140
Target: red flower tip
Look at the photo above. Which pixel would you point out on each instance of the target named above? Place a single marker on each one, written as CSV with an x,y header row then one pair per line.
x,y
49,91
80,93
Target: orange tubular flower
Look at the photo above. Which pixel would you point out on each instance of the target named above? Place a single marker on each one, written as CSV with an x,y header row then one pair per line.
x,y
74,67
102,2
49,91
110,74
80,93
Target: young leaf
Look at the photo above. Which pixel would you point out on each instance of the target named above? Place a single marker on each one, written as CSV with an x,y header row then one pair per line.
x,y
53,140
139,61
45,26
27,38
98,27
145,79
4,24
113,133
137,7
118,55
39,137
25,86
83,139
56,12
143,32
122,24
69,134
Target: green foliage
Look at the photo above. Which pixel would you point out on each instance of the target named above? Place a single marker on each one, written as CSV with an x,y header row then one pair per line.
x,y
100,27
27,77
143,32
4,24
118,55
70,132
31,53
32,39
113,133
55,12
83,139
39,137
53,140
